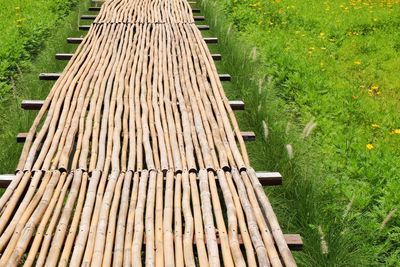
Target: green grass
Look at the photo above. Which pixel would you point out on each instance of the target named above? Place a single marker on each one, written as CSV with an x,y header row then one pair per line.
x,y
26,50
335,64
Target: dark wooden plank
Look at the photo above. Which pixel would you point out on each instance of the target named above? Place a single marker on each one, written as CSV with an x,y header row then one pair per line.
x,y
31,104
68,56
94,8
265,178
97,8
294,241
88,17
236,104
210,40
270,178
84,27
92,17
224,77
200,27
54,76
49,76
217,57
64,56
37,104
5,180
74,40
203,27
246,135
199,18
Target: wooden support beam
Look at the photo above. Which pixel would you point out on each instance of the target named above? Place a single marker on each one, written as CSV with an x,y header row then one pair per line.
x,y
68,56
199,18
32,104
94,8
84,27
97,9
88,17
200,27
37,104
5,180
294,241
246,135
78,40
54,76
92,17
74,40
225,77
64,56
236,104
203,27
265,178
210,40
217,57
49,76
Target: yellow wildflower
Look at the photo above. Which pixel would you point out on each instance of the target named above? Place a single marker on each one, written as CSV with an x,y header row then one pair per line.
x,y
357,62
322,34
395,131
374,90
375,126
370,146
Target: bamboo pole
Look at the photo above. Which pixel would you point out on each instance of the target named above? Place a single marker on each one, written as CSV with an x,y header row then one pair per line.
x,y
139,101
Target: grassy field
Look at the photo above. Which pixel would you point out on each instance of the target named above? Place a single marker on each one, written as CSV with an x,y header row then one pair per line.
x,y
321,83
33,32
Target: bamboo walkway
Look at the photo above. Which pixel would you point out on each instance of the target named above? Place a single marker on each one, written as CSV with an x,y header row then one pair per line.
x,y
136,157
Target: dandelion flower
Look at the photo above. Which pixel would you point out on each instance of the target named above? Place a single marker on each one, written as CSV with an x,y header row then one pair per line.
x,y
357,62
395,131
370,146
374,90
375,126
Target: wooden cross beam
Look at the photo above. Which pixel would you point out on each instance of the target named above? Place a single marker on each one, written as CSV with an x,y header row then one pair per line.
x,y
265,178
37,104
54,76
246,135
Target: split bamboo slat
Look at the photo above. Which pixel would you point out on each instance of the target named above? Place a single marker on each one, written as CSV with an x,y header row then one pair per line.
x,y
136,158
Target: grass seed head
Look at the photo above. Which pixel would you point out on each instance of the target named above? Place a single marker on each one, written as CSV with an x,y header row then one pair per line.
x,y
265,130
290,152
